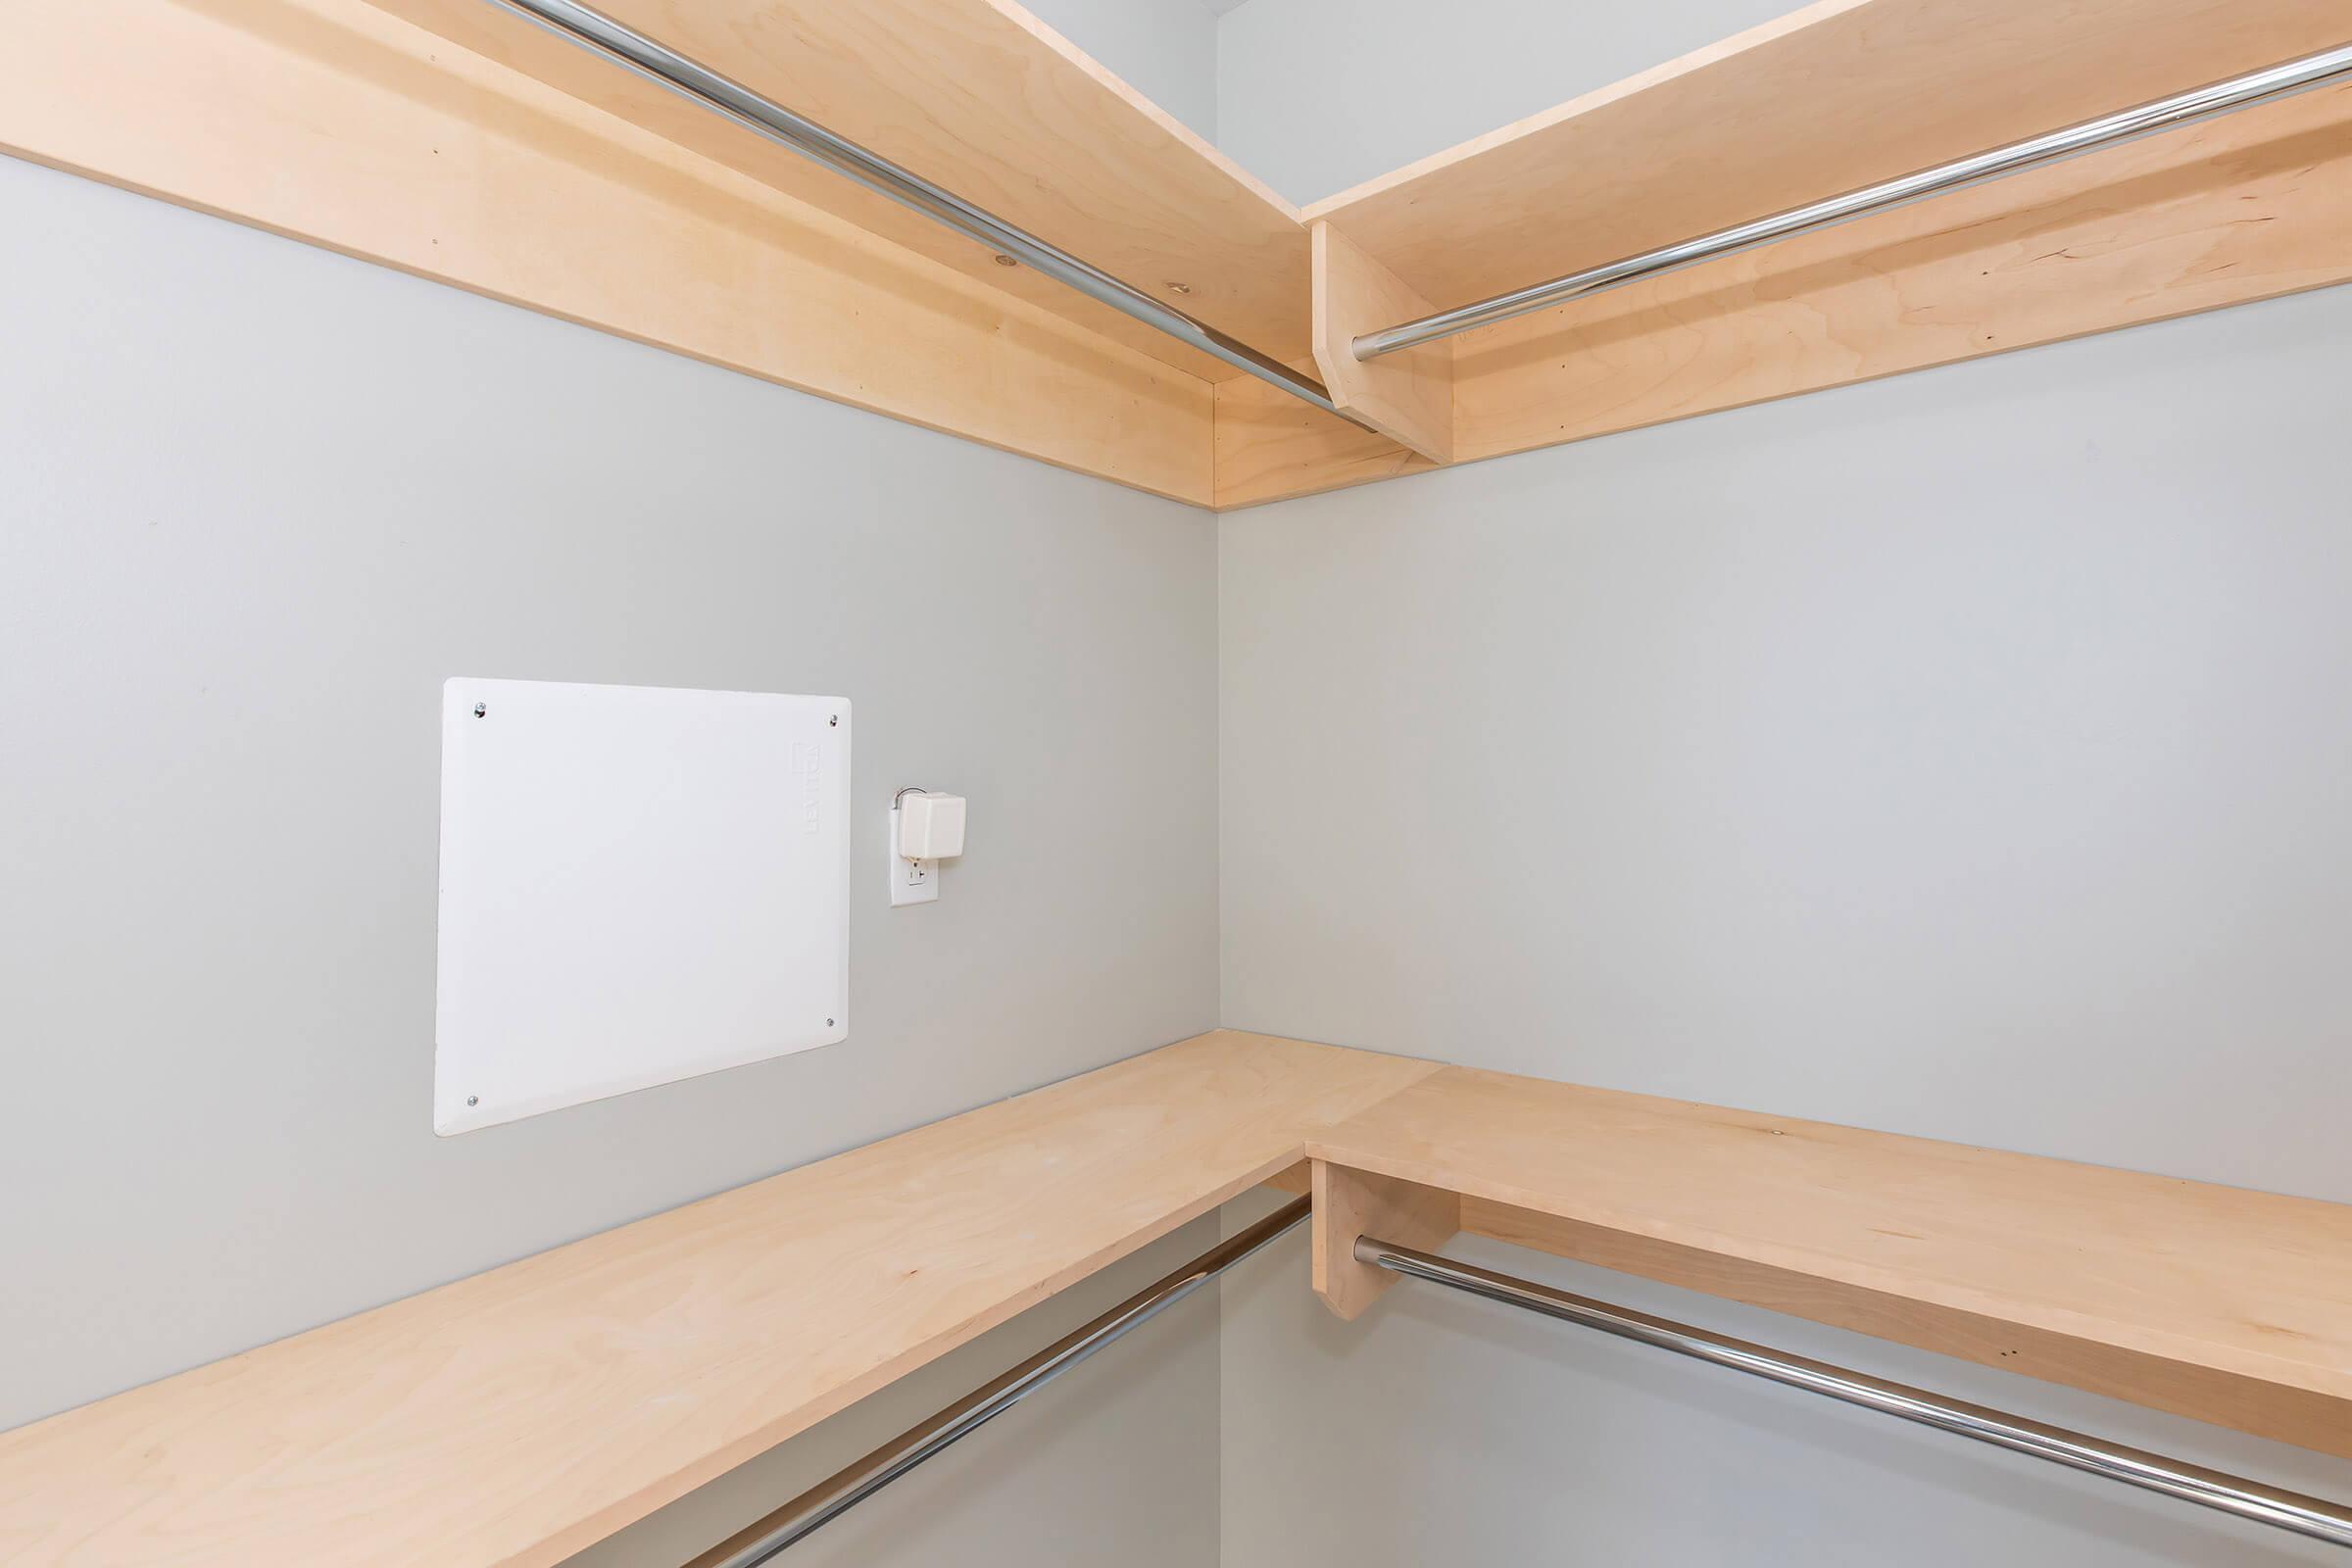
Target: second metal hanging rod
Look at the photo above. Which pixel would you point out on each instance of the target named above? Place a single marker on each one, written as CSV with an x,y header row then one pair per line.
x,y
2108,130
2315,1517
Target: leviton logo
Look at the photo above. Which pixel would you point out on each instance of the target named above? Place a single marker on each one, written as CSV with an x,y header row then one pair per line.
x,y
804,766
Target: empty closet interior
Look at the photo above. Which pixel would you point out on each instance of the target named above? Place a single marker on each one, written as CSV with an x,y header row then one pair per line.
x,y
1199,783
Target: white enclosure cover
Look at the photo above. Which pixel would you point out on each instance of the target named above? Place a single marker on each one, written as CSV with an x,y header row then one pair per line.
x,y
638,885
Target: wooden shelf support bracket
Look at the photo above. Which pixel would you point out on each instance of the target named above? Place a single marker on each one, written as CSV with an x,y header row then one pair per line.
x,y
1350,1204
1406,396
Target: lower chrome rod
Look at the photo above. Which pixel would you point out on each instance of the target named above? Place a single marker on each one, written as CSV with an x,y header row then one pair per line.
x,y
765,116
2315,1517
763,1539
2091,135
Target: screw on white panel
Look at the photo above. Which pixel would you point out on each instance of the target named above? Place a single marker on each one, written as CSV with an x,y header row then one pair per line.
x,y
479,709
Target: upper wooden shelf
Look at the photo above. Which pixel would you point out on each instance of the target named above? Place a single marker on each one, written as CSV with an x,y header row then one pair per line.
x,y
2219,1302
455,140
1826,99
982,99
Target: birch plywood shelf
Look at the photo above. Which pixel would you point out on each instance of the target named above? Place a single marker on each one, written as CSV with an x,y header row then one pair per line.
x,y
2215,1303
985,101
456,139
520,1415
1826,99
517,1416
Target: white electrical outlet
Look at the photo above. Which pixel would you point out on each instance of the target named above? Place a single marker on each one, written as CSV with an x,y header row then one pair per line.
x,y
910,881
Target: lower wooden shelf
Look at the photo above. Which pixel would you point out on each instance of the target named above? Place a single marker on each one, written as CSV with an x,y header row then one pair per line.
x,y
2216,1303
520,1415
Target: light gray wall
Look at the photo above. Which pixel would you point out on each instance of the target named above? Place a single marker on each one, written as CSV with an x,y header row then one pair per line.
x,y
1164,49
1314,96
1961,755
258,501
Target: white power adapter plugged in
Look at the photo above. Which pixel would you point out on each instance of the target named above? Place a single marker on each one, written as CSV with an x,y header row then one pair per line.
x,y
924,829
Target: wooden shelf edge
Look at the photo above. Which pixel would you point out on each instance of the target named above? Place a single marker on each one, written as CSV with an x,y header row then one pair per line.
x,y
2224,1305
981,98
333,122
336,123
1827,98
474,1425
2241,1400
2236,211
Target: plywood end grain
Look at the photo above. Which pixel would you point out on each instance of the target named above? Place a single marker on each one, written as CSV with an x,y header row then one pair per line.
x,y
1350,1203
1406,396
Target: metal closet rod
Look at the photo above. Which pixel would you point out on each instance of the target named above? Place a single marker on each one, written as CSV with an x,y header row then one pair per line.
x,y
2315,1517
625,46
763,1539
2109,130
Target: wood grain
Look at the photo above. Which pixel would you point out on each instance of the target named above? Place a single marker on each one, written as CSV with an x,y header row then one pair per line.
x,y
1407,396
982,98
1352,1203
2300,1416
2216,1303
517,1416
332,121
2238,210
1271,447
1827,98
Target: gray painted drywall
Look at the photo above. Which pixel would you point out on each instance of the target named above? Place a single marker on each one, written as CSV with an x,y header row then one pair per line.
x,y
1962,754
1314,96
259,501
1164,49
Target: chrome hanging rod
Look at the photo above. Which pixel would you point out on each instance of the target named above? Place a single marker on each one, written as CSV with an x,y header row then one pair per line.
x,y
763,1539
765,116
2109,130
2315,1517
